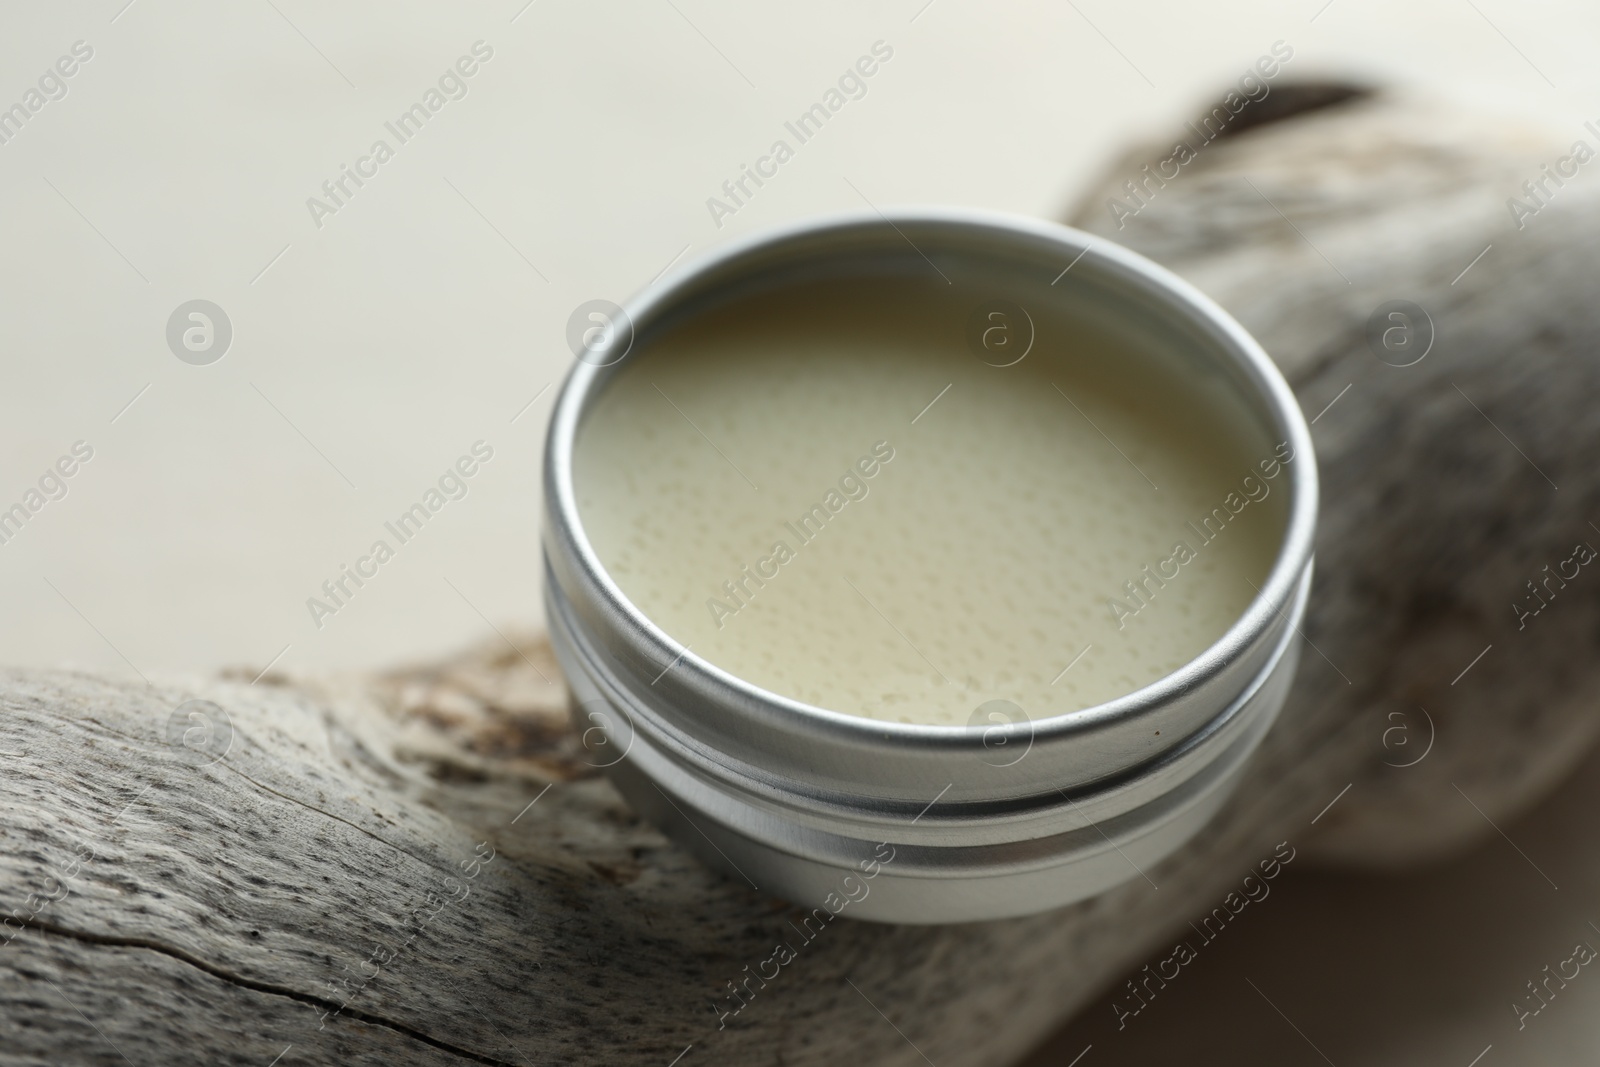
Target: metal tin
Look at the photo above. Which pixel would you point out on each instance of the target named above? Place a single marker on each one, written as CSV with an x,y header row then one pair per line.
x,y
918,823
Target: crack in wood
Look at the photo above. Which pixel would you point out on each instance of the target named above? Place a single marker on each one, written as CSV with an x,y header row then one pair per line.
x,y
270,988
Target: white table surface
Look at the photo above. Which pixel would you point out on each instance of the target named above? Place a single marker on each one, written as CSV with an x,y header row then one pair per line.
x,y
380,346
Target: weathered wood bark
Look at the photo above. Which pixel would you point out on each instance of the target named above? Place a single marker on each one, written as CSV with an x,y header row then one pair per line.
x,y
1439,480
420,868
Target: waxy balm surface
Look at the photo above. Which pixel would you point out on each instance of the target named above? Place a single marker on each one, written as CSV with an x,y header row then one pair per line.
x,y
833,493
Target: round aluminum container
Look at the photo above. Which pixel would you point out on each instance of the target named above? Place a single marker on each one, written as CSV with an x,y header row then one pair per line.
x,y
915,823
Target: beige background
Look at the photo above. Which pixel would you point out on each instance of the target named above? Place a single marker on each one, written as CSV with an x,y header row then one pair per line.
x,y
406,328
370,353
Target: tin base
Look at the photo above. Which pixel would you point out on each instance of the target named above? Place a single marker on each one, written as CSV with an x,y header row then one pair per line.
x,y
991,867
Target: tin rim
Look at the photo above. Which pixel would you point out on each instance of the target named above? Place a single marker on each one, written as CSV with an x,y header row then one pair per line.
x,y
565,532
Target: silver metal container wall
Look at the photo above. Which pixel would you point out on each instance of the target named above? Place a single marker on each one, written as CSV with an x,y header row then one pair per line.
x,y
808,803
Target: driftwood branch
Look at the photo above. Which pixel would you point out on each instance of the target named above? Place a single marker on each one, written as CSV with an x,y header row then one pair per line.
x,y
420,867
